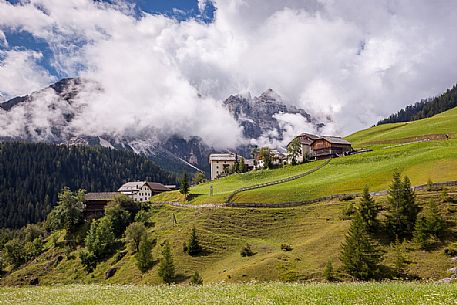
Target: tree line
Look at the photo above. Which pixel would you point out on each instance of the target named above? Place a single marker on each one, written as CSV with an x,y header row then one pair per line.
x,y
425,108
32,174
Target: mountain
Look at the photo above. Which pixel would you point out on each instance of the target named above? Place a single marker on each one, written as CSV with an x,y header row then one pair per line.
x,y
425,108
62,102
32,175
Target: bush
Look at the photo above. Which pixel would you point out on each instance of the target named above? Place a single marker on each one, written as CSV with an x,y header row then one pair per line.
x,y
144,217
143,255
348,211
196,279
286,247
14,252
328,272
247,251
119,217
88,260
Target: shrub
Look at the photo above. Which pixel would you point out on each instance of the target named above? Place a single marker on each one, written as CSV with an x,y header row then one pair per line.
x,y
348,211
247,251
88,260
286,247
14,252
119,217
144,217
400,261
196,279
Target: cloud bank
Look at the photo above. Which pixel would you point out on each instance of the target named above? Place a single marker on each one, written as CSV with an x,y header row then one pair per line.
x,y
353,61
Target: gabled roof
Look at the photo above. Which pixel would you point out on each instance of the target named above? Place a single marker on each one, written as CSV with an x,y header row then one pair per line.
x,y
336,140
155,186
131,186
310,136
107,196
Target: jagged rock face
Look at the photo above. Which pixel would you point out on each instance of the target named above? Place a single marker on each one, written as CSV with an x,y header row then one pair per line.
x,y
174,153
256,114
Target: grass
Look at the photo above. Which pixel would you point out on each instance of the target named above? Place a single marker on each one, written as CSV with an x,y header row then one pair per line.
x,y
436,160
250,293
315,233
443,123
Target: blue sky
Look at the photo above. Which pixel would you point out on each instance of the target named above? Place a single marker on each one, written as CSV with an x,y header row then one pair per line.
x,y
178,9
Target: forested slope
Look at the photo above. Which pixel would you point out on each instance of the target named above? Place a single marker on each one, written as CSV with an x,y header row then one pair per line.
x,y
31,175
425,108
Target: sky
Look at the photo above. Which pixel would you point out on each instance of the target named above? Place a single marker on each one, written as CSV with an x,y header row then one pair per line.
x,y
166,65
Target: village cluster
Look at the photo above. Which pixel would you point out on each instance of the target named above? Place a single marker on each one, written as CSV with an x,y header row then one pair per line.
x,y
302,148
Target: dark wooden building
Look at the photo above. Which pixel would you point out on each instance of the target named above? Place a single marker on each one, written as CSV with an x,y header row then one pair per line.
x,y
329,147
95,203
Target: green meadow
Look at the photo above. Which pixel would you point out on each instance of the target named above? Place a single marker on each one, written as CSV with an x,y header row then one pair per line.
x,y
389,293
400,146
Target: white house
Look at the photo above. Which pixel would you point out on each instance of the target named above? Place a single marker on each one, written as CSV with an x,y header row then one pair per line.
x,y
142,190
221,164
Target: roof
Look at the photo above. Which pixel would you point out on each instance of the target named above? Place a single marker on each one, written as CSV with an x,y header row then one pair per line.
x,y
336,140
131,186
222,157
155,186
310,136
107,196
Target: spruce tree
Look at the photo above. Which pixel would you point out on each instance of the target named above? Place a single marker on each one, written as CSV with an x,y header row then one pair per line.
x,y
402,210
167,268
368,210
143,255
421,234
194,248
435,222
184,185
360,255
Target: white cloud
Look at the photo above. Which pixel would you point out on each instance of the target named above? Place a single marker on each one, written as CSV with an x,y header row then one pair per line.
x,y
20,73
354,61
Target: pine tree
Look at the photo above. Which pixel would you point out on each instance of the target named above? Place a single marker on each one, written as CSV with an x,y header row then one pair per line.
x,y
421,234
360,255
399,258
328,271
143,255
368,210
194,248
402,210
184,185
167,268
435,222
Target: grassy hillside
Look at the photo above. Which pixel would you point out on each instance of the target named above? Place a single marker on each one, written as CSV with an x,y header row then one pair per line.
x,y
314,232
402,146
271,293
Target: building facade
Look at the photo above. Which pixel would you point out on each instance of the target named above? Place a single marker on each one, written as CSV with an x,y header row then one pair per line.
x,y
142,190
221,164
